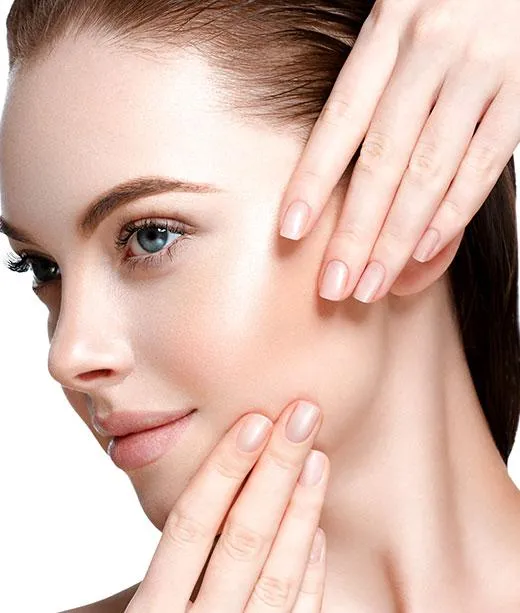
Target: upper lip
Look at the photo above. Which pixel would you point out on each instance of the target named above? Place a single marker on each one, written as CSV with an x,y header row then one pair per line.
x,y
122,423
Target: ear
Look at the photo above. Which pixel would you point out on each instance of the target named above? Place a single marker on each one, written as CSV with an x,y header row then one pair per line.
x,y
417,276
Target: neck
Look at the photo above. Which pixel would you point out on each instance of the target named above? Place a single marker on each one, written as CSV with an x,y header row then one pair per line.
x,y
420,511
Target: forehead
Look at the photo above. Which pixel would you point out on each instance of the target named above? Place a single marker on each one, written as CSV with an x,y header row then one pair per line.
x,y
87,117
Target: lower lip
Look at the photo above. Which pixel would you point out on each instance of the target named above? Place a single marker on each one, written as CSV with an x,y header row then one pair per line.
x,y
141,448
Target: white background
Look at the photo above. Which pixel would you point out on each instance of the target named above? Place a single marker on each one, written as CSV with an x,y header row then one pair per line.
x,y
71,528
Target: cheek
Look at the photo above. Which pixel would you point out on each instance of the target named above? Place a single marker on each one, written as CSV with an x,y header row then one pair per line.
x,y
214,332
249,330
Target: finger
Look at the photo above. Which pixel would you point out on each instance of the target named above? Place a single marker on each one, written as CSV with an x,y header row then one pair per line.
x,y
254,520
279,582
189,531
492,147
433,164
341,125
383,159
312,588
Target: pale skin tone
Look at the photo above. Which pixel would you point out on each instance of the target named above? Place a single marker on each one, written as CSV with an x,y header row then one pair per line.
x,y
418,493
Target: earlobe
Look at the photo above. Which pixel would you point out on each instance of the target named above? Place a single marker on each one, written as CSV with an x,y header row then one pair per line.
x,y
417,276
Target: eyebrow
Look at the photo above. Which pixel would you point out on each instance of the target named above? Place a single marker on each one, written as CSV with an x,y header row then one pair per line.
x,y
116,197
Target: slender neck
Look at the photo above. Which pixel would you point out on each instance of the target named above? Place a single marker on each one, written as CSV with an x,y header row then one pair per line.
x,y
420,510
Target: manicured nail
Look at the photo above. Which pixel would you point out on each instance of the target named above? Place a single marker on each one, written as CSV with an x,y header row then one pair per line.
x,y
302,421
253,432
334,280
295,220
426,245
371,280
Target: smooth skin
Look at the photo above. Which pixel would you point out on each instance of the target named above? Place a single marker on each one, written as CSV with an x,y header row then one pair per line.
x,y
423,75
419,505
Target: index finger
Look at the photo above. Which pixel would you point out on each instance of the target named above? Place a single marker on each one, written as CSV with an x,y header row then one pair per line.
x,y
340,128
189,531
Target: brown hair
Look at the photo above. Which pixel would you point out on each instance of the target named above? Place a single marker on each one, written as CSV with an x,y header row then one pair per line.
x,y
277,62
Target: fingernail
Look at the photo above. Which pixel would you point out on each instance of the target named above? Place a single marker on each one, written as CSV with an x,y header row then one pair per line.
x,y
302,421
253,432
334,280
295,220
370,282
426,245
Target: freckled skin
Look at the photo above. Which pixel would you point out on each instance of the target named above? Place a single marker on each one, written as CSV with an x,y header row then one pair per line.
x,y
233,322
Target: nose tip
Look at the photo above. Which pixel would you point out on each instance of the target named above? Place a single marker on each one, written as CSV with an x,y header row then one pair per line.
x,y
83,368
90,345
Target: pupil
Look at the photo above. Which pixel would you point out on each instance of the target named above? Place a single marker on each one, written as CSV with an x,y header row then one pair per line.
x,y
152,239
44,270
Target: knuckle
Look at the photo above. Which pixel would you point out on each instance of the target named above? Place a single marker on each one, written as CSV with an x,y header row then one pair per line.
x,y
391,234
275,592
311,585
350,233
457,212
375,147
432,25
308,505
228,464
481,161
424,165
240,542
181,529
309,176
282,459
336,111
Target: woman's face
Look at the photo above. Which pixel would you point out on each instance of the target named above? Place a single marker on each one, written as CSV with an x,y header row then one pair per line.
x,y
230,321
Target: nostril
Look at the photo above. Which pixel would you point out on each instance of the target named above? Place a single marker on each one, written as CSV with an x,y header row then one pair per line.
x,y
95,374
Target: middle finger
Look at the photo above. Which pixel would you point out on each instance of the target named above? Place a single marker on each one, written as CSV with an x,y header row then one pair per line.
x,y
254,520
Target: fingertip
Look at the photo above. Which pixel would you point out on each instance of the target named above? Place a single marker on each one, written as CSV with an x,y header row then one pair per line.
x,y
295,220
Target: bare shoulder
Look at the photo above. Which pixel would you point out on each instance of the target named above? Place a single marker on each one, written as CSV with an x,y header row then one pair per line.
x,y
116,603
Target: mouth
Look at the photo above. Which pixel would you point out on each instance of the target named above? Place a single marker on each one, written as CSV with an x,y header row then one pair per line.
x,y
123,423
137,449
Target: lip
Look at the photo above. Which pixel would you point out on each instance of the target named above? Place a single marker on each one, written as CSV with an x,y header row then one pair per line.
x,y
139,449
123,423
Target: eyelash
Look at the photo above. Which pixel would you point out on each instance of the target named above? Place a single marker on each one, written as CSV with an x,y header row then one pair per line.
x,y
22,262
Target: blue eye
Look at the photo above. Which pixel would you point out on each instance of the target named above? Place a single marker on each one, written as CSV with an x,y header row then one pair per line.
x,y
150,239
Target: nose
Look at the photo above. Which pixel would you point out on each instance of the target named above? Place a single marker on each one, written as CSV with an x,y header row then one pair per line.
x,y
88,347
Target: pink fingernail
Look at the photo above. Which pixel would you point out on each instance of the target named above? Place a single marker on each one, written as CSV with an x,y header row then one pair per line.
x,y
426,245
370,282
295,220
334,280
